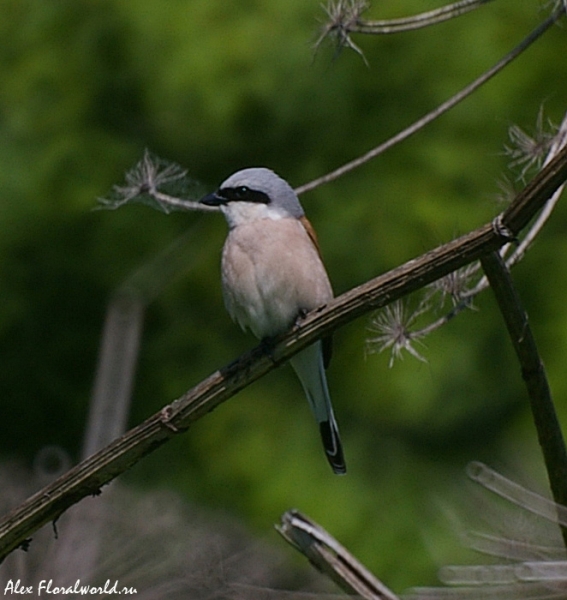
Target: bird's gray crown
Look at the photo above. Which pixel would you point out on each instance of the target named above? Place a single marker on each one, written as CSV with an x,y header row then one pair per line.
x,y
259,184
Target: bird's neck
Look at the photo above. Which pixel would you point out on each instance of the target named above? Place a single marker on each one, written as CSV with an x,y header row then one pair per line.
x,y
243,213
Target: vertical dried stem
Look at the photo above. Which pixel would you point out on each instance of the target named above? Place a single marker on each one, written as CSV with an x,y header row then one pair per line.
x,y
533,372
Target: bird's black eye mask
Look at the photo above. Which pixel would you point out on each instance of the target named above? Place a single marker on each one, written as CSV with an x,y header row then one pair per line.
x,y
243,194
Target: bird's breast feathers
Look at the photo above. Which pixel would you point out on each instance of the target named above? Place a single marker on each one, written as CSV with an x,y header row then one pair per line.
x,y
271,272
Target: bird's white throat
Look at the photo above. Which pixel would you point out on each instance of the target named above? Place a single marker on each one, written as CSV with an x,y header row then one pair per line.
x,y
239,213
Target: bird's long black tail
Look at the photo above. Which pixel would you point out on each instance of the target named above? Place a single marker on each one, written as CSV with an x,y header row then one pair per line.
x,y
308,365
333,446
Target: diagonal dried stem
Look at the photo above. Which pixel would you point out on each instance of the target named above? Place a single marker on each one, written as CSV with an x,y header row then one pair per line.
x,y
89,476
438,111
458,284
331,558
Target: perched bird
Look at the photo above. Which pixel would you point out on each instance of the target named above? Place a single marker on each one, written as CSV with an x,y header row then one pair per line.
x,y
272,274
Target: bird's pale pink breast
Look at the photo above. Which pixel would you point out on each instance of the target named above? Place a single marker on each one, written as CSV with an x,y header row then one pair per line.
x,y
271,272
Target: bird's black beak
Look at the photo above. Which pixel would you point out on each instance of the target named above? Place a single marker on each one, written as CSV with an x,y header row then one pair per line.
x,y
212,199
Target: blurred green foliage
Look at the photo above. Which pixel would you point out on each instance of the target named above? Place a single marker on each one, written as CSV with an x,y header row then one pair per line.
x,y
216,86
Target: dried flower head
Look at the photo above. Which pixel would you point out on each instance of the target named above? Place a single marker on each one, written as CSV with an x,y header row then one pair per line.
x,y
392,324
152,181
342,15
507,191
457,285
528,152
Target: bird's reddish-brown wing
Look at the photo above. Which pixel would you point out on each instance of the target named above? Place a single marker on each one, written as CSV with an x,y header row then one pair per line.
x,y
327,342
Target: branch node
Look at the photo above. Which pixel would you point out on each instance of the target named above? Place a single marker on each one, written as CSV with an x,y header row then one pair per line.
x,y
503,231
165,416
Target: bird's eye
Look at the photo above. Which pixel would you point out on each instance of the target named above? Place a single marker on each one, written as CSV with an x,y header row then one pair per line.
x,y
241,192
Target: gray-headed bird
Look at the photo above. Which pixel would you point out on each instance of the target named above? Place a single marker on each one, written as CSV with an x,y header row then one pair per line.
x,y
272,274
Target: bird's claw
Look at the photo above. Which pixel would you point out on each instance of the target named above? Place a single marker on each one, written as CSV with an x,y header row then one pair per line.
x,y
268,345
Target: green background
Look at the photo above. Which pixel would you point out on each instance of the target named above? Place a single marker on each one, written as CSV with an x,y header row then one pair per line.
x,y
218,86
